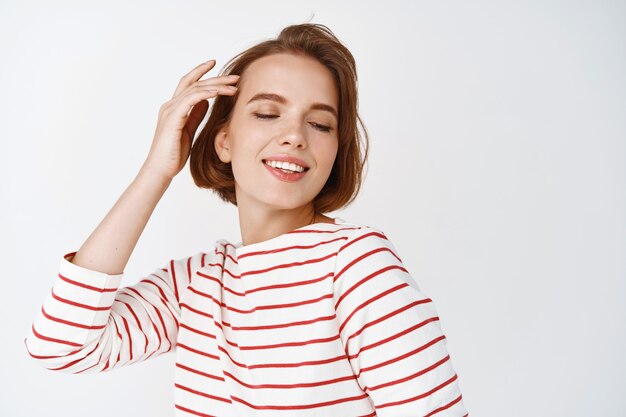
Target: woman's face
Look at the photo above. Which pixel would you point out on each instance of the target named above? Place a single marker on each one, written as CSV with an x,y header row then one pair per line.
x,y
286,105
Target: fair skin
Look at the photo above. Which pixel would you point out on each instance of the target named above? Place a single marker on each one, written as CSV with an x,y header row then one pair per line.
x,y
269,207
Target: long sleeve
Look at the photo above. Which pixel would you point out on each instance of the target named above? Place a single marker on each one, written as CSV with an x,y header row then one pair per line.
x,y
88,324
391,332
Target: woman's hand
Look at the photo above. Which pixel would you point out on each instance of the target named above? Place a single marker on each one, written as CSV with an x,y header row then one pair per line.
x,y
179,118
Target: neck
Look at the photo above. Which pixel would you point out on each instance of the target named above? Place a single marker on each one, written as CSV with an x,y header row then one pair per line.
x,y
259,225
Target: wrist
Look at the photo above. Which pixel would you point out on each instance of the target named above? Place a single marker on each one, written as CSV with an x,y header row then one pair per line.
x,y
153,176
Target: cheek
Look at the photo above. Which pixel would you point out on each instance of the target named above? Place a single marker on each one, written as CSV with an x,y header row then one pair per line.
x,y
329,155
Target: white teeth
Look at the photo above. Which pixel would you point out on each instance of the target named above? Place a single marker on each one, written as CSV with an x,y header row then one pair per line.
x,y
285,166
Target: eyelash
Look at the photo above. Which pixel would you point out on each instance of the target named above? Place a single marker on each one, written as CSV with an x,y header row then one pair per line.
x,y
319,127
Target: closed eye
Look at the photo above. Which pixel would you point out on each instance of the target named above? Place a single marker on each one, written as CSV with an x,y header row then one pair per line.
x,y
319,127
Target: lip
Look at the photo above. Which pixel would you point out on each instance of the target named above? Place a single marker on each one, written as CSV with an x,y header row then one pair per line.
x,y
286,158
283,176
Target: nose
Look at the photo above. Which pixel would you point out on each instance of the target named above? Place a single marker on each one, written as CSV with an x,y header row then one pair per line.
x,y
294,134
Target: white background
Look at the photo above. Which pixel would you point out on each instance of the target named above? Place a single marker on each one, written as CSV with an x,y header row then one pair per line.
x,y
497,169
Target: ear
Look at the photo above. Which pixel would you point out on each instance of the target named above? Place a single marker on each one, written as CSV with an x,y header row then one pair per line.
x,y
222,145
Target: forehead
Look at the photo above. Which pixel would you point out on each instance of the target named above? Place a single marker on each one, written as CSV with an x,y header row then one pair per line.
x,y
298,78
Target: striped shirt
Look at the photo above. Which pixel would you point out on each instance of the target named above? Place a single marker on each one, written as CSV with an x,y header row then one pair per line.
x,y
321,321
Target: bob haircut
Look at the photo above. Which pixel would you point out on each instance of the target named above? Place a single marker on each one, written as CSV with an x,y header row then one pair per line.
x,y
316,41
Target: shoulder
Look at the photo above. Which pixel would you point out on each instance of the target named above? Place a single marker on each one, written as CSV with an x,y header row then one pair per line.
x,y
360,237
366,245
368,253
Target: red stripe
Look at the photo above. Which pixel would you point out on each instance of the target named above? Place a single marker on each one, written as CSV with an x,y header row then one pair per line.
x,y
195,371
70,323
89,287
132,312
203,394
259,386
289,285
365,255
75,304
272,407
223,253
119,335
403,356
353,241
388,316
164,299
364,280
95,364
409,377
371,300
285,365
202,313
199,352
173,276
49,357
169,310
289,265
156,330
289,344
300,407
147,281
190,411
67,365
445,407
184,326
158,336
70,254
51,339
189,270
265,307
167,337
243,255
419,397
156,310
259,347
219,281
226,256
130,339
226,271
395,336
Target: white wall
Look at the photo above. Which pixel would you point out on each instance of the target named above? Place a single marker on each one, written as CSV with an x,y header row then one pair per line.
x,y
498,170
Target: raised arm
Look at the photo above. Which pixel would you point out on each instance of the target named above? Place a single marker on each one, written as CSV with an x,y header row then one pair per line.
x,y
86,323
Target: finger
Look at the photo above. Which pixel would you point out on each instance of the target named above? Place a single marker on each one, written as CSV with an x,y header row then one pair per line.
x,y
213,82
193,76
186,102
222,79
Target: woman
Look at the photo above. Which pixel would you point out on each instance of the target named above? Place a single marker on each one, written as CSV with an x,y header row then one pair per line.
x,y
308,315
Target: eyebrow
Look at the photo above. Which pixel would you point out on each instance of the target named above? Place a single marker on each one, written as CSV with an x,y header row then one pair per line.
x,y
282,100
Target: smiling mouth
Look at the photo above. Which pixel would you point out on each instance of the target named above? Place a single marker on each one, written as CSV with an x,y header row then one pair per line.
x,y
286,171
285,175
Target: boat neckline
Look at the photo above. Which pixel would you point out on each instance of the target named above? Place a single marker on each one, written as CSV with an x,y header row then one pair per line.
x,y
240,249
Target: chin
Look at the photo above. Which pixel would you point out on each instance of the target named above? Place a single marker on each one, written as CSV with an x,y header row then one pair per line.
x,y
284,201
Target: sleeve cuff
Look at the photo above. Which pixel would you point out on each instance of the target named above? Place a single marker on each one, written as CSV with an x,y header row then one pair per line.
x,y
96,278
